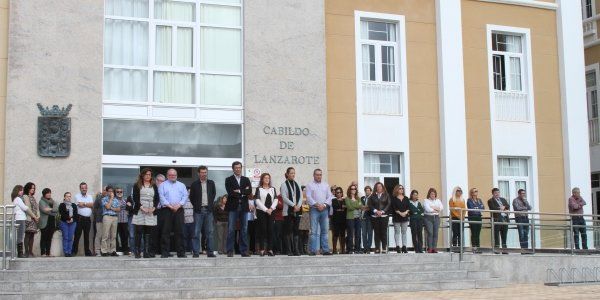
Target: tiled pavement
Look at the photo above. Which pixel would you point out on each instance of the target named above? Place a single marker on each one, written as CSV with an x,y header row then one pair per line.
x,y
521,291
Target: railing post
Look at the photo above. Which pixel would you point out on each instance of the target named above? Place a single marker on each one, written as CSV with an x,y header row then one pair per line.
x,y
4,237
492,235
13,235
572,234
532,233
461,236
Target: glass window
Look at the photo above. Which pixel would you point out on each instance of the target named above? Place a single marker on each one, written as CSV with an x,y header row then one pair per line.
x,y
381,163
507,62
378,31
368,61
596,180
154,138
590,79
174,10
220,50
220,15
220,90
388,67
185,47
499,73
506,43
164,45
171,87
512,166
125,85
123,178
126,8
125,42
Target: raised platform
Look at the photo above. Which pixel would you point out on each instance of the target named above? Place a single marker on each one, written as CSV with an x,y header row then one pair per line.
x,y
189,278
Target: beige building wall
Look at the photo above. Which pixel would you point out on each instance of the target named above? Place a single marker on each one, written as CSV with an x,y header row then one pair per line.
x,y
547,101
423,103
3,78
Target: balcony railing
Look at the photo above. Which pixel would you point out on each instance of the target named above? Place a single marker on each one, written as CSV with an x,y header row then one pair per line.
x,y
589,30
594,132
381,98
511,106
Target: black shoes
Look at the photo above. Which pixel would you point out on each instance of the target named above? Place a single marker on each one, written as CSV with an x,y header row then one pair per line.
x,y
210,254
404,249
246,254
137,255
327,253
229,254
114,254
103,254
195,255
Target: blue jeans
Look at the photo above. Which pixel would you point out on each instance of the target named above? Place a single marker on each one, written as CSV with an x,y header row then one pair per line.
x,y
353,227
319,228
367,233
188,236
234,216
203,224
132,237
68,232
523,231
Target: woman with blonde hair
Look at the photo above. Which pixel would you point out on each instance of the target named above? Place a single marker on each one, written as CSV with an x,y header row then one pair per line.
x,y
353,210
474,203
456,203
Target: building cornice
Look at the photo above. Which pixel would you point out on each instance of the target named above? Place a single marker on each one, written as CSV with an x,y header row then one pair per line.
x,y
530,3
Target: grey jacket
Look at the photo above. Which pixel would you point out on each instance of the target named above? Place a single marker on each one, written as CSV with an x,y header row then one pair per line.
x,y
287,202
519,205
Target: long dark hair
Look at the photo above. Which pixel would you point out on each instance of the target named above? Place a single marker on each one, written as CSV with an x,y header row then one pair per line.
x,y
28,187
140,180
15,191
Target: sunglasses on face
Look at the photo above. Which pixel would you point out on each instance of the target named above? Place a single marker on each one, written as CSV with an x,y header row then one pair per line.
x,y
119,192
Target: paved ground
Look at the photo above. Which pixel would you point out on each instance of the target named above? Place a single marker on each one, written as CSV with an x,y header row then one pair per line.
x,y
522,291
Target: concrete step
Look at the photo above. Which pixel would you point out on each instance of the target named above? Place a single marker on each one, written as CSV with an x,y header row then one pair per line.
x,y
58,263
257,291
216,272
237,281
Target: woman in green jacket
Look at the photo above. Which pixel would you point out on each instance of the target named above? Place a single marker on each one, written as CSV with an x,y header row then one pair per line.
x,y
416,221
353,225
47,224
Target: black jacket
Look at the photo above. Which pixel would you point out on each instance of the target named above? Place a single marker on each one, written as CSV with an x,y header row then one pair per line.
x,y
233,198
136,199
382,203
493,205
64,214
402,206
196,195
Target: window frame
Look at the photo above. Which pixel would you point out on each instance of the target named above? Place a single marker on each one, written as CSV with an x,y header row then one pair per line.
x,y
506,57
195,70
589,93
513,179
378,45
381,175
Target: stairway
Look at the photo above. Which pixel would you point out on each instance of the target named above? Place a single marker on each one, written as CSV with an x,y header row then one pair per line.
x,y
177,278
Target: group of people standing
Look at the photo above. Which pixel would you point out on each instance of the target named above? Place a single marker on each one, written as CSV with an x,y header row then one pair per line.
x,y
162,215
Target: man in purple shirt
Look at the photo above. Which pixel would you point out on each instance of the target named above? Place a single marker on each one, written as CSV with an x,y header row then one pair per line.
x,y
319,198
173,195
576,204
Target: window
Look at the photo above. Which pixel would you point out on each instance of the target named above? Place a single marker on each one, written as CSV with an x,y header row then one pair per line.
x,y
513,174
379,50
588,9
507,58
185,53
378,47
383,167
592,94
175,139
596,180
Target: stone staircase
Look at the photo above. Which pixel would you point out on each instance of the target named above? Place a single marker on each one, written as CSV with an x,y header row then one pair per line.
x,y
177,278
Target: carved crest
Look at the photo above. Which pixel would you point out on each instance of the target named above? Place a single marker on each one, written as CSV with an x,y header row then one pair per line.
x,y
54,131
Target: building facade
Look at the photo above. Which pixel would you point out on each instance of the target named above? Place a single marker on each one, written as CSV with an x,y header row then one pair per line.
x,y
426,93
589,10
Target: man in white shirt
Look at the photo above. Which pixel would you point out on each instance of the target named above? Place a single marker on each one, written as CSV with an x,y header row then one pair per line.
x,y
84,203
319,198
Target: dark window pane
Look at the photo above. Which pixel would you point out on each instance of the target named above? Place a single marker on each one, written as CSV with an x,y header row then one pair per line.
x,y
146,138
596,180
120,177
378,31
499,73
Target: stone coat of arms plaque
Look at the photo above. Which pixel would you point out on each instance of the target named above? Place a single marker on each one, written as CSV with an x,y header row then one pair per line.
x,y
54,131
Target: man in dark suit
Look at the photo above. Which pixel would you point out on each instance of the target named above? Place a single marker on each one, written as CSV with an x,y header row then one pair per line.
x,y
238,191
500,231
202,197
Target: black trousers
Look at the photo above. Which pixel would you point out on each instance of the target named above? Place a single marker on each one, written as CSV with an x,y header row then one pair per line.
x,y
46,238
172,221
157,233
252,224
416,231
277,244
84,224
380,227
264,230
291,233
500,232
146,232
475,231
455,232
123,234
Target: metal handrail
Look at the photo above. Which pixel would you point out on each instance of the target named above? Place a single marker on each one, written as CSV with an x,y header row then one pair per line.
x,y
9,236
532,225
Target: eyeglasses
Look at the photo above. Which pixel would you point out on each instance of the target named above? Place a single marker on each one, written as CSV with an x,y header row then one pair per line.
x,y
119,192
